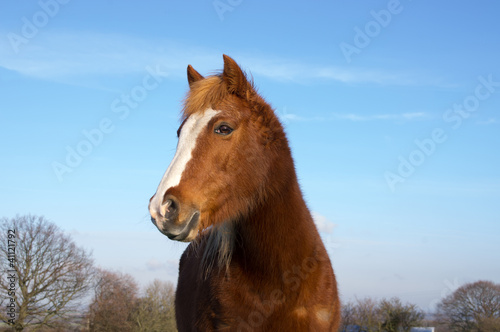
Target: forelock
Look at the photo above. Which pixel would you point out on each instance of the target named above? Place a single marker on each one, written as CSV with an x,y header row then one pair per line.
x,y
204,94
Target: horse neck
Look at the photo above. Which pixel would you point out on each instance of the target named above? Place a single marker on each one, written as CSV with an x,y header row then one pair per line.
x,y
279,233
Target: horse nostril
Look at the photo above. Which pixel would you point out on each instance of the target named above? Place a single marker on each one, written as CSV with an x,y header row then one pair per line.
x,y
169,208
169,205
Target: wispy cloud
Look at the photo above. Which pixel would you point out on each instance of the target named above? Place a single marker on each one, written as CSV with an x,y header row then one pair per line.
x,y
155,265
489,121
60,55
292,70
287,116
322,223
57,55
374,117
365,76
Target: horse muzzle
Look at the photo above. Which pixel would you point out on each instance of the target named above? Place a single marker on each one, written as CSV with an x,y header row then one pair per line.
x,y
177,222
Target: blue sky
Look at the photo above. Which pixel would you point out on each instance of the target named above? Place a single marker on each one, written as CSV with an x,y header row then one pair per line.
x,y
391,109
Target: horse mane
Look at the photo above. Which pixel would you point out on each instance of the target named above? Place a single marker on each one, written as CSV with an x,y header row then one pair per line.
x,y
219,247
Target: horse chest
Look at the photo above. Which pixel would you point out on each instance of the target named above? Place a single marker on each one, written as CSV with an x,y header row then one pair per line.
x,y
233,303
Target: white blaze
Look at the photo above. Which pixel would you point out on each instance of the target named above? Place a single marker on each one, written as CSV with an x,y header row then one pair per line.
x,y
187,142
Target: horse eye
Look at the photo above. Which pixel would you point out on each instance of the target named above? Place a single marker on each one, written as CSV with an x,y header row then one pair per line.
x,y
223,129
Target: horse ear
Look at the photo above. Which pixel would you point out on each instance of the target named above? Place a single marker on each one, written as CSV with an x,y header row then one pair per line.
x,y
234,77
193,75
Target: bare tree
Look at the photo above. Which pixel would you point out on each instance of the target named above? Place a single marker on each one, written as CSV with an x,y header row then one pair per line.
x,y
50,273
397,316
367,315
115,300
348,316
472,307
156,312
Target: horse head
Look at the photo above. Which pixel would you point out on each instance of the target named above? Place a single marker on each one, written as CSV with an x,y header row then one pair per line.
x,y
228,158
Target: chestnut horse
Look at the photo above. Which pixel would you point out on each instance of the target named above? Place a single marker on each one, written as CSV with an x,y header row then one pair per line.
x,y
256,261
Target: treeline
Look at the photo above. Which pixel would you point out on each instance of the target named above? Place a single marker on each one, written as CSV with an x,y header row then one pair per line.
x,y
48,283
474,307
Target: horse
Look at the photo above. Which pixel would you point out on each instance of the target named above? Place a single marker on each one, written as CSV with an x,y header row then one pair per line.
x,y
255,261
